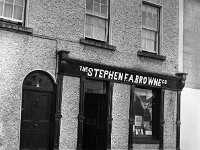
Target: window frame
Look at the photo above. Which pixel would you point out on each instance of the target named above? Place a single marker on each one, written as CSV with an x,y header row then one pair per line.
x,y
12,20
107,19
158,32
157,118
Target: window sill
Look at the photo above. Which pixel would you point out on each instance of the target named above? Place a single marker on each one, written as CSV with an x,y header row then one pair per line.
x,y
145,140
15,27
151,55
100,44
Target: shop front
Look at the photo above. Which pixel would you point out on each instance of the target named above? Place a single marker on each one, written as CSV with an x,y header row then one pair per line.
x,y
118,107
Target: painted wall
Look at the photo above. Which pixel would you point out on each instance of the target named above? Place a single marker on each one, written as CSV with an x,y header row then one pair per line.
x,y
190,123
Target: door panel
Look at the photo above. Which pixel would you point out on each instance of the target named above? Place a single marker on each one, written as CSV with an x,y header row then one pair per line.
x,y
37,120
95,123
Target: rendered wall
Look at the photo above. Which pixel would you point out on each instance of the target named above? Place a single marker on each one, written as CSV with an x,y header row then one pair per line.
x,y
170,112
64,21
19,55
70,111
120,114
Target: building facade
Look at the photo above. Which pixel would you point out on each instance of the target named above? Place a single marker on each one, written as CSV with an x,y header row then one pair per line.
x,y
89,74
189,48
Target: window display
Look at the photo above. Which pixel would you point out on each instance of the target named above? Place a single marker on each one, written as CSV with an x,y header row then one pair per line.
x,y
142,112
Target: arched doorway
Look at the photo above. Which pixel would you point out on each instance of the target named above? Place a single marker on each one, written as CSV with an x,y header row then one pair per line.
x,y
38,111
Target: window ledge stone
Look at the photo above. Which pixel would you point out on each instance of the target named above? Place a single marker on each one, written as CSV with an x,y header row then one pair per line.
x,y
151,55
15,27
97,44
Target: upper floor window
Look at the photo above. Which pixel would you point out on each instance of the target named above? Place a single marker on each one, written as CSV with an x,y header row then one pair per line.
x,y
12,10
97,20
150,28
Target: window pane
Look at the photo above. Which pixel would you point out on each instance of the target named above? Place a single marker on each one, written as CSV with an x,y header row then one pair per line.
x,y
1,8
155,11
8,10
95,25
88,19
102,34
18,12
19,2
97,7
143,18
149,40
150,34
95,32
150,45
143,44
104,10
143,112
150,17
88,30
9,1
94,21
155,21
102,23
89,4
104,2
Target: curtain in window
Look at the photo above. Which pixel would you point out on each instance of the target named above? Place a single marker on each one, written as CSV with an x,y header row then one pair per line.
x,y
96,28
96,19
12,9
149,40
150,28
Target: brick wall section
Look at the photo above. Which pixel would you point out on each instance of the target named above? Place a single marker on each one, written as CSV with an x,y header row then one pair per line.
x,y
191,57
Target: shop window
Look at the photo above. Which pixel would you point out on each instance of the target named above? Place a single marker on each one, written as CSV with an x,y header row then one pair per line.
x,y
145,114
150,28
12,10
97,20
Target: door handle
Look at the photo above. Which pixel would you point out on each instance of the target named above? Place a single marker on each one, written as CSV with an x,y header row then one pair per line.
x,y
35,125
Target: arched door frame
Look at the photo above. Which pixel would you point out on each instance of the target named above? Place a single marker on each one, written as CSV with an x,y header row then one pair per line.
x,y
51,89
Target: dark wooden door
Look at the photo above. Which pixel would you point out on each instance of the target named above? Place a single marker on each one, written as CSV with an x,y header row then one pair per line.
x,y
37,120
95,123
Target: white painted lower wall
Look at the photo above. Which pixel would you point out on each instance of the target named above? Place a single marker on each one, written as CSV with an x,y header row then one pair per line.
x,y
190,119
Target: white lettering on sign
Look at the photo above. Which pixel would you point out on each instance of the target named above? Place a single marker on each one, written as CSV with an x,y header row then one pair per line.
x,y
120,76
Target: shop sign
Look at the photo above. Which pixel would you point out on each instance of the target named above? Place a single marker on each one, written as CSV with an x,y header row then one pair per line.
x,y
89,70
122,76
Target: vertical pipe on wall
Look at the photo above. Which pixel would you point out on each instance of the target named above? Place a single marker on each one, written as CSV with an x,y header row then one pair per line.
x,y
180,52
178,123
162,121
58,115
81,116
